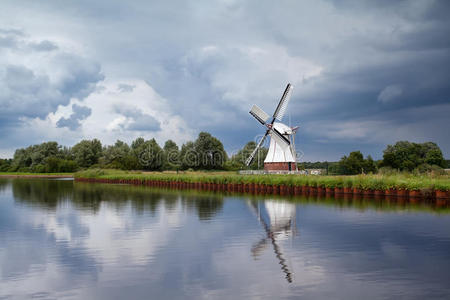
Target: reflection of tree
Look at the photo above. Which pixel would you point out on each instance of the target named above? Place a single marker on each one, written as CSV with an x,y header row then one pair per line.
x,y
3,184
86,196
41,192
90,196
144,199
278,224
206,205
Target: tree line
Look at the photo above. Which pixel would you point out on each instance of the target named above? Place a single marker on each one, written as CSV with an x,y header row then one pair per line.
x,y
402,156
206,153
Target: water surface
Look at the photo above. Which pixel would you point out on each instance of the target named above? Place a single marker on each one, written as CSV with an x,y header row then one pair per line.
x,y
60,239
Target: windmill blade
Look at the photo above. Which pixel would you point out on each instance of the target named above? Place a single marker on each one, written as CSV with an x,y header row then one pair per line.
x,y
279,138
250,158
284,101
259,114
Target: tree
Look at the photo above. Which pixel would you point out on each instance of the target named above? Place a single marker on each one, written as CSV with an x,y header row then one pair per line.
x,y
369,165
354,164
5,165
237,161
171,156
149,155
435,157
188,156
117,155
87,152
210,151
40,152
405,155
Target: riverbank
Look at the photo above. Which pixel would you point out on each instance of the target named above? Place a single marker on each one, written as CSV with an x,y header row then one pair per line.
x,y
368,185
35,175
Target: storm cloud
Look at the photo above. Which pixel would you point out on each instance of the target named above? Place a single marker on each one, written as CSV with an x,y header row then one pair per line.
x,y
365,73
136,120
79,113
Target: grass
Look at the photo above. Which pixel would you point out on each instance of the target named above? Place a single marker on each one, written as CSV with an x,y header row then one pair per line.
x,y
364,182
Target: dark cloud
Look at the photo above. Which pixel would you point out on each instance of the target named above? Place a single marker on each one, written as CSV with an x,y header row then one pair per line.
x,y
378,60
138,120
32,85
79,113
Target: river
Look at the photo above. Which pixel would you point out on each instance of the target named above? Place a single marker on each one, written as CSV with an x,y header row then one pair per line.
x,y
65,240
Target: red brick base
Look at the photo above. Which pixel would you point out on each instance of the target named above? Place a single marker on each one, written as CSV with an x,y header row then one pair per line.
x,y
279,166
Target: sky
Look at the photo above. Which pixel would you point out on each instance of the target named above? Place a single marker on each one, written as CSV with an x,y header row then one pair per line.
x,y
365,73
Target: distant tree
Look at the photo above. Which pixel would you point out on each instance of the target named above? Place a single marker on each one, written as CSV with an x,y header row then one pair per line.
x,y
354,164
188,156
5,165
369,165
87,152
210,151
237,161
42,151
435,157
117,155
150,155
171,156
137,143
318,165
55,164
405,155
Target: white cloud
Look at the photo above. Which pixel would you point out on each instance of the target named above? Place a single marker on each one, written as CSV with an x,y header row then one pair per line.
x,y
126,116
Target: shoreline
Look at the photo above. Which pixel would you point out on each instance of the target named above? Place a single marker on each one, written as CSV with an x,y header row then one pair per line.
x,y
280,189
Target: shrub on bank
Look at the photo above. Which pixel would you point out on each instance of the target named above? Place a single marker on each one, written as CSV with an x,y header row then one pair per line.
x,y
363,182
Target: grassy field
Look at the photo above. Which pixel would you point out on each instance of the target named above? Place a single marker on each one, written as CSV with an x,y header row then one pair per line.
x,y
363,182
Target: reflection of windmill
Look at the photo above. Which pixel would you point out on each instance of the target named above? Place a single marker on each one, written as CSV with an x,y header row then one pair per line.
x,y
281,155
281,224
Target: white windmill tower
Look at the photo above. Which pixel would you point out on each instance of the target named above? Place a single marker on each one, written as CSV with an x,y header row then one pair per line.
x,y
281,155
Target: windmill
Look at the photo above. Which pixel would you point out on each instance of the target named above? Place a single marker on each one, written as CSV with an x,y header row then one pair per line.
x,y
281,155
279,224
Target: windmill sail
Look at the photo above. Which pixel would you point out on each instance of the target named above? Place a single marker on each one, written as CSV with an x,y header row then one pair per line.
x,y
250,158
284,101
259,114
279,138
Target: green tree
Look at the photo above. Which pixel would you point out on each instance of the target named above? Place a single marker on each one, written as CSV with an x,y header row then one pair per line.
x,y
405,155
151,155
210,151
369,165
117,155
42,151
5,165
237,161
435,157
87,152
171,156
188,156
353,164
146,155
